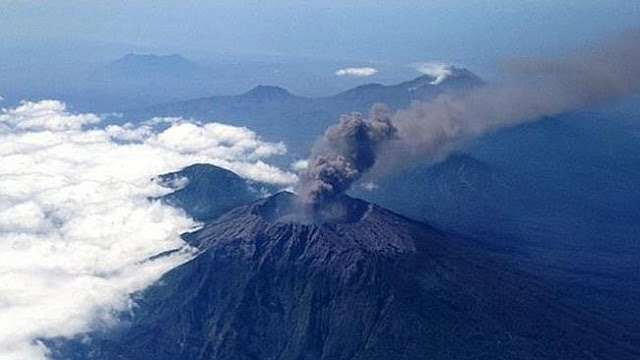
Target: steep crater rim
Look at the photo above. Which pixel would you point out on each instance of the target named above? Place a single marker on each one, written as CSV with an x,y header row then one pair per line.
x,y
287,208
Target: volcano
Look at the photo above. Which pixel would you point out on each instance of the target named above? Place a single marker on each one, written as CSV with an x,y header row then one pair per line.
x,y
354,281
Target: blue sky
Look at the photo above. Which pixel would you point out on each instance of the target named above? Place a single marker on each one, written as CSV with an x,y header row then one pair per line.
x,y
472,31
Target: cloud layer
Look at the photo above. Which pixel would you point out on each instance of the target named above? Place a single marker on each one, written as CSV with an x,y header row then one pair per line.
x,y
77,231
357,71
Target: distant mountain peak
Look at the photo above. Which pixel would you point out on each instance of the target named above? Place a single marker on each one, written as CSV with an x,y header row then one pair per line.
x,y
444,78
458,72
438,72
133,64
146,58
267,93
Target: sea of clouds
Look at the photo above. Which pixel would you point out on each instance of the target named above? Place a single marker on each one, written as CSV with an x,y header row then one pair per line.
x,y
78,233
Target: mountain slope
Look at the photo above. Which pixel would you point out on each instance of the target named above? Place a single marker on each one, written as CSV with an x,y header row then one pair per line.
x,y
401,95
367,284
462,194
556,196
205,191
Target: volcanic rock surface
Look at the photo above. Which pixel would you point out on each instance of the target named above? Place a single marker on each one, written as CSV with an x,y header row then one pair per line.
x,y
354,281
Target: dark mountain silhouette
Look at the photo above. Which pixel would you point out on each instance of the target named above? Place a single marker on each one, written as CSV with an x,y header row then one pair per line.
x,y
151,65
363,283
462,194
205,191
265,93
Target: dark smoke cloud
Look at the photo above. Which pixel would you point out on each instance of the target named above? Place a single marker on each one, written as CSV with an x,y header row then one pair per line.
x,y
344,153
429,131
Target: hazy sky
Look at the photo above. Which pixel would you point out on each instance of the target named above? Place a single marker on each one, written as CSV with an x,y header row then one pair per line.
x,y
469,31
49,49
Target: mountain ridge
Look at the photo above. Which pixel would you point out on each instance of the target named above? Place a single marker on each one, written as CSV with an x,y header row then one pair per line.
x,y
301,119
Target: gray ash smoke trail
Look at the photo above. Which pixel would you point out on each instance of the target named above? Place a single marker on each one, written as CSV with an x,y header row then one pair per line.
x,y
428,131
431,130
344,153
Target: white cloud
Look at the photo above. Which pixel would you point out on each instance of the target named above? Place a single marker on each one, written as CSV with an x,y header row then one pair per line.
x,y
299,165
76,228
45,115
357,71
437,70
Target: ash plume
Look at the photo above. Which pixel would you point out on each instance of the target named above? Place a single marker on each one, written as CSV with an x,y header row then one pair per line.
x,y
428,131
344,153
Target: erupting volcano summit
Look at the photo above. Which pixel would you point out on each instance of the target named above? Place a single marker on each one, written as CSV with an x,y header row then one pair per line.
x,y
363,284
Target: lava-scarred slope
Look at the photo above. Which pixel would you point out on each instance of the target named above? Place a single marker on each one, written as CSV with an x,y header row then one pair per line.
x,y
366,284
